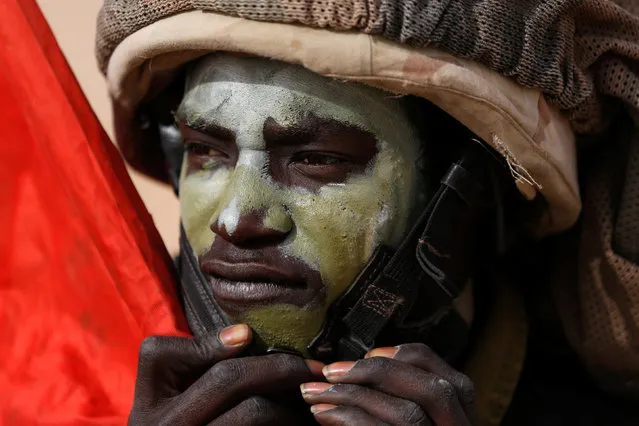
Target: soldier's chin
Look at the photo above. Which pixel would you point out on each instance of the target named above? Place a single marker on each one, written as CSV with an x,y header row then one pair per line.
x,y
281,327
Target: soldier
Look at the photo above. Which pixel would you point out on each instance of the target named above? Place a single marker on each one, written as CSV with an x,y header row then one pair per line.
x,y
358,216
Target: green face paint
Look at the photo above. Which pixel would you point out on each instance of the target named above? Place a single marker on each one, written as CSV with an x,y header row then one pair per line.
x,y
333,228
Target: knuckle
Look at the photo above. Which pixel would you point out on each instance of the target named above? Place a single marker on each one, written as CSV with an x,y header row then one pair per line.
x,y
342,388
257,404
351,391
417,347
372,370
226,373
375,363
161,352
416,350
465,388
286,361
288,365
152,356
412,414
445,390
353,394
342,415
206,348
279,357
150,347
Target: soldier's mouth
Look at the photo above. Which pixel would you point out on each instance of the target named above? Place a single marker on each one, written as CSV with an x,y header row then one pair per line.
x,y
240,286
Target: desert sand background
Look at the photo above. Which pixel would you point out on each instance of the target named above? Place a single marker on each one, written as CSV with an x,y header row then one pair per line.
x,y
73,23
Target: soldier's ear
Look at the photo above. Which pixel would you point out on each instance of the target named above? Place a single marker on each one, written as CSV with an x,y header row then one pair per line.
x,y
160,116
173,148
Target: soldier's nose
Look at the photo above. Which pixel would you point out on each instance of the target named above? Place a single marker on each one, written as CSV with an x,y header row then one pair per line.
x,y
250,231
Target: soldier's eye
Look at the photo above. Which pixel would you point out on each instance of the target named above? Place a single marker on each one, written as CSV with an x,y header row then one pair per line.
x,y
315,159
200,149
203,156
325,167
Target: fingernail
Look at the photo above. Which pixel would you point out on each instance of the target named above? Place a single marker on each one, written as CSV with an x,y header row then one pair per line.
x,y
382,352
235,335
337,369
318,408
315,367
310,389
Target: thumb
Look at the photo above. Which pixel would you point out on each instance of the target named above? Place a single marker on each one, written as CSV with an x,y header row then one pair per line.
x,y
171,361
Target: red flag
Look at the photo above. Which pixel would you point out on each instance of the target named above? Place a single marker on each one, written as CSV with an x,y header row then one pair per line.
x,y
84,276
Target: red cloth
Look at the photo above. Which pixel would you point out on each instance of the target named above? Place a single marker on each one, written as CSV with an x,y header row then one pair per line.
x,y
84,275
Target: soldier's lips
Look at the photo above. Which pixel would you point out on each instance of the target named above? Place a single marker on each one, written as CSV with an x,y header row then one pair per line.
x,y
240,286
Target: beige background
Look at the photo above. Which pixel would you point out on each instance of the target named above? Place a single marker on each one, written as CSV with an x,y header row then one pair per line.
x,y
73,23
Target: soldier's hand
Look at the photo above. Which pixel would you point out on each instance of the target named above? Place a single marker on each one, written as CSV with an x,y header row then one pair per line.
x,y
185,381
404,385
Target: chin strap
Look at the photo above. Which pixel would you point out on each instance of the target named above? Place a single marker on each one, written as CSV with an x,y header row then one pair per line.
x,y
422,278
202,311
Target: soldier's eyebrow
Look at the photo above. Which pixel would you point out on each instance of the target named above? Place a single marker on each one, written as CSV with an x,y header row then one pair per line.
x,y
190,118
202,124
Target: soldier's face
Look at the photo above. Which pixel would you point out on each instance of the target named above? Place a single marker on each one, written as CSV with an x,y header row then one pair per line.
x,y
289,183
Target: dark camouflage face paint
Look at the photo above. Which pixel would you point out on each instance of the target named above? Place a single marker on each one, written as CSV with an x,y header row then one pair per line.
x,y
333,227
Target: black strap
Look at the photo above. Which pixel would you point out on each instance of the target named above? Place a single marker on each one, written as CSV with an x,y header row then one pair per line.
x,y
435,255
204,314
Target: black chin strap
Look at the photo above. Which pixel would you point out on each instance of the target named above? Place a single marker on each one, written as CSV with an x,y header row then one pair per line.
x,y
202,311
412,288
423,277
